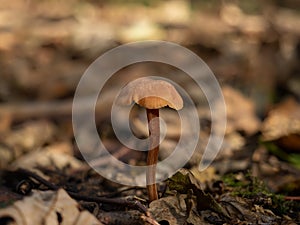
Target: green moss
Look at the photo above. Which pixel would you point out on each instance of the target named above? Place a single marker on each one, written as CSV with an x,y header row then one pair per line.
x,y
254,189
231,180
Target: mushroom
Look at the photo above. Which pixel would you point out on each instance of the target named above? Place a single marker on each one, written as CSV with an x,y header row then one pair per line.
x,y
151,94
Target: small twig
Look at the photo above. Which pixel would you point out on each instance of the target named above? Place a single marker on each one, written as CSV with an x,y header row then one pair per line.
x,y
121,190
127,202
118,201
38,178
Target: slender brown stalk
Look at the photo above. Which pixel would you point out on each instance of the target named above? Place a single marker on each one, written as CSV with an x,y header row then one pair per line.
x,y
152,158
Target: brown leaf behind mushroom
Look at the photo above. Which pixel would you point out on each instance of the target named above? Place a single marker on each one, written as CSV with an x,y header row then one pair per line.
x,y
240,112
283,125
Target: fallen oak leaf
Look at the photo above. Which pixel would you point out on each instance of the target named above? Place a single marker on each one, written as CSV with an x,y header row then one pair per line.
x,y
47,208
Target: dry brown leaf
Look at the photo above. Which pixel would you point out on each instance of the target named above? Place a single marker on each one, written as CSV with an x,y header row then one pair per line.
x,y
58,155
283,125
241,119
232,15
173,210
29,137
48,208
240,112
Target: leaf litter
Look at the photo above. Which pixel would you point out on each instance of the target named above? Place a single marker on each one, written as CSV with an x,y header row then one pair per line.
x,y
43,178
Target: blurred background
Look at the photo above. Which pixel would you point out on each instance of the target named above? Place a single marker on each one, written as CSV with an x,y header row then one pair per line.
x,y
46,46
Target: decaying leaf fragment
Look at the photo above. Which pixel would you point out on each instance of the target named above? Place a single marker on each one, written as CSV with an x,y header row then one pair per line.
x,y
26,138
183,181
188,205
173,209
47,208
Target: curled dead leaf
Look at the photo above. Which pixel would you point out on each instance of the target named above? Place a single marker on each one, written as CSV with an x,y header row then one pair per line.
x,y
48,208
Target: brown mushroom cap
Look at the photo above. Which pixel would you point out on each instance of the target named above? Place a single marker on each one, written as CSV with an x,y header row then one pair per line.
x,y
151,94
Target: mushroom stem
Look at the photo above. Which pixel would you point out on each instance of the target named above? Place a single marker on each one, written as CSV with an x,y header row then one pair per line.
x,y
152,158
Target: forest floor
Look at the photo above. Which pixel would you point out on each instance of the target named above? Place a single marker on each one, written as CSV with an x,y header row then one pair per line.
x,y
253,49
